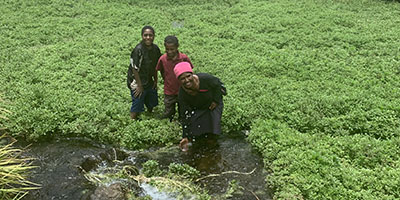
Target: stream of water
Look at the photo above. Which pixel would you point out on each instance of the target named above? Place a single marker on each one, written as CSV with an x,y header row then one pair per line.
x,y
61,164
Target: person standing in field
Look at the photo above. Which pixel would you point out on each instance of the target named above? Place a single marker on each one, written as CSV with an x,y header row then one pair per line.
x,y
166,65
142,76
200,102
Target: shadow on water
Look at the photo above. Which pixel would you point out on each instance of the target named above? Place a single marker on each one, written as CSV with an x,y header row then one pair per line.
x,y
219,159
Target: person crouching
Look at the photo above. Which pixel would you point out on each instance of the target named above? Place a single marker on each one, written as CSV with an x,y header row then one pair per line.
x,y
201,103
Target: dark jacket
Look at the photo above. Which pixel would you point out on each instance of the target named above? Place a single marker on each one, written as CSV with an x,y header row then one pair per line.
x,y
145,61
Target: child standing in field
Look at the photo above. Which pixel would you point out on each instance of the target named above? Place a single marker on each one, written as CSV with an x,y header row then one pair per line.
x,y
166,65
142,76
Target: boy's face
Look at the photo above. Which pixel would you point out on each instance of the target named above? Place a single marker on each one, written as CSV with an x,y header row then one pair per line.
x,y
171,50
148,37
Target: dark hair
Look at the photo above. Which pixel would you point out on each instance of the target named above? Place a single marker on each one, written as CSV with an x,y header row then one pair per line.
x,y
148,27
170,39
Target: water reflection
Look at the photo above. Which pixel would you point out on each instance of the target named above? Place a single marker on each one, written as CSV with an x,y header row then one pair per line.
x,y
204,154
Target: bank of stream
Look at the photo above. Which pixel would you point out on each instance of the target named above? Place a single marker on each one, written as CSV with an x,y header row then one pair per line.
x,y
63,163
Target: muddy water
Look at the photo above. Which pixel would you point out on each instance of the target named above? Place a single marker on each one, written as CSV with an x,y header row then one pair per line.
x,y
61,162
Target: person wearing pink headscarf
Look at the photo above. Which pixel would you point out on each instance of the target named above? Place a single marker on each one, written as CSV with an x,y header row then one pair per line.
x,y
200,101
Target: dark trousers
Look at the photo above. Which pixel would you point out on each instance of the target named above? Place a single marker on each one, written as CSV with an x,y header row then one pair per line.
x,y
170,102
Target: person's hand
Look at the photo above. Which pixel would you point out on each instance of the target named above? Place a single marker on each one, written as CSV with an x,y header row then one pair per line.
x,y
133,85
212,106
138,91
184,144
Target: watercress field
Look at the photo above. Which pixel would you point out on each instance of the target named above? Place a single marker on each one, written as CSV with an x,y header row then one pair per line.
x,y
317,82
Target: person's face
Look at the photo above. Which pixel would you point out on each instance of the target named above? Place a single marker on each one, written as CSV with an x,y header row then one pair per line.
x,y
148,37
171,50
186,79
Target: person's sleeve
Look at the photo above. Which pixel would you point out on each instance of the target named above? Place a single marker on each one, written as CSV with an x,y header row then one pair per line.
x,y
215,85
160,67
158,53
129,77
135,59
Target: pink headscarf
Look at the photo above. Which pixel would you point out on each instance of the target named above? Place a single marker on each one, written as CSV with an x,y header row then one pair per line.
x,y
181,68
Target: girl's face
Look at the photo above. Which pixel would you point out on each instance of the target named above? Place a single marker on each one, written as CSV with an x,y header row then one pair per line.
x,y
171,50
148,37
186,79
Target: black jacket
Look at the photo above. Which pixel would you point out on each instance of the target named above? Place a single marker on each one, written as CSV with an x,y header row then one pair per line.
x,y
145,61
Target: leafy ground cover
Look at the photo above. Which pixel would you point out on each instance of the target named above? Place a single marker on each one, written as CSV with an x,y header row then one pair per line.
x,y
324,73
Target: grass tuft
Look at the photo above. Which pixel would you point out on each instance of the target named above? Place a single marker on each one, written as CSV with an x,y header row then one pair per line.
x,y
14,168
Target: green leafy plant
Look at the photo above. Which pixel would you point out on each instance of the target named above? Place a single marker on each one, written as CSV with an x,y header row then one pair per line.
x,y
233,188
183,171
304,166
151,168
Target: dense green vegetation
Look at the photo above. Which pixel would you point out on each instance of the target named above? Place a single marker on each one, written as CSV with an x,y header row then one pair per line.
x,y
317,82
